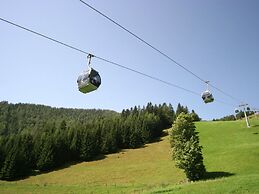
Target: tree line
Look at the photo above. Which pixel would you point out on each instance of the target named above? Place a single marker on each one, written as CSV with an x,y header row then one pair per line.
x,y
41,138
238,116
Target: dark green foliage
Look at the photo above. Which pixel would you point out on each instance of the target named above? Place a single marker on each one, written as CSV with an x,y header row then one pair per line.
x,y
74,142
45,153
36,137
9,167
195,116
228,118
239,115
18,160
181,109
186,149
89,147
1,152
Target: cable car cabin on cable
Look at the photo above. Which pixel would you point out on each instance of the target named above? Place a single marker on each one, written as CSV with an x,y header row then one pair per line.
x,y
207,96
89,81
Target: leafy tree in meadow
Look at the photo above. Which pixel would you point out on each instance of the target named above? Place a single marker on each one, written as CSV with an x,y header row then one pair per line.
x,y
185,147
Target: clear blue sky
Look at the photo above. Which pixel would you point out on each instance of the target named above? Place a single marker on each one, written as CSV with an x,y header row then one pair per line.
x,y
217,40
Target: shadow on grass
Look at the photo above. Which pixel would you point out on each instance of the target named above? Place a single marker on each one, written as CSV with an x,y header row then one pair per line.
x,y
96,158
154,140
160,138
216,175
65,165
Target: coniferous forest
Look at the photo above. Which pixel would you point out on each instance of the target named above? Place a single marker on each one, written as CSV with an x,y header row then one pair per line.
x,y
38,138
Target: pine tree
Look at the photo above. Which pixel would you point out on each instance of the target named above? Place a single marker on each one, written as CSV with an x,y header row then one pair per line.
x,y
18,157
195,116
8,170
45,159
1,152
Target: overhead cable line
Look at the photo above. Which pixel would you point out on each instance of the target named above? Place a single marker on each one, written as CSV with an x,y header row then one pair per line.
x,y
228,104
226,94
149,76
105,60
100,58
44,36
141,39
156,49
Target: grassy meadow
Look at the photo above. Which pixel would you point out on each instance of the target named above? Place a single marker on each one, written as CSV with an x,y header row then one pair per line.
x,y
231,157
127,171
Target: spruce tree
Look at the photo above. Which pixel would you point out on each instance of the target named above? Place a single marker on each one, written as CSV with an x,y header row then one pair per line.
x,y
45,158
195,116
9,166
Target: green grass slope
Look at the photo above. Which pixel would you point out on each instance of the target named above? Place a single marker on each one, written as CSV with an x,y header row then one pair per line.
x,y
128,171
231,157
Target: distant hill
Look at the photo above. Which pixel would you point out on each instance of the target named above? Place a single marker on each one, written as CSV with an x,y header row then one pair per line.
x,y
15,118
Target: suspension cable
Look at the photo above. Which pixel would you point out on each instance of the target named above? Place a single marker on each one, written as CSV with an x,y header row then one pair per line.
x,y
100,58
156,49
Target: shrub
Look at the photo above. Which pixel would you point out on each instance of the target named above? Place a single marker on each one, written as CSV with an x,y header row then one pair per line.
x,y
185,147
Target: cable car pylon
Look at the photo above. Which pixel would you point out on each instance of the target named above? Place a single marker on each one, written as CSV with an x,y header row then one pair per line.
x,y
245,108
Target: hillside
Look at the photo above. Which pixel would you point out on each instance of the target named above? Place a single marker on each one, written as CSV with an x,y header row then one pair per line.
x,y
127,171
37,138
32,118
231,156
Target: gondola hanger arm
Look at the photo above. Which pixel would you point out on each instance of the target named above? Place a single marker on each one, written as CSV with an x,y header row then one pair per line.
x,y
89,57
